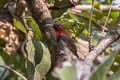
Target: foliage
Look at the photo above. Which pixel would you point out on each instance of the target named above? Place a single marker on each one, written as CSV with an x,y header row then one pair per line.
x,y
18,24
71,24
69,70
2,3
115,76
38,62
101,72
35,28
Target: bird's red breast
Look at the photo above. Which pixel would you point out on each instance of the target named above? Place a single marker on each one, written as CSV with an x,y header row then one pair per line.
x,y
59,32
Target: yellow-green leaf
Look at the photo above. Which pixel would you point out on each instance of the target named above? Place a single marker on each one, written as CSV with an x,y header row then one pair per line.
x,y
18,24
35,28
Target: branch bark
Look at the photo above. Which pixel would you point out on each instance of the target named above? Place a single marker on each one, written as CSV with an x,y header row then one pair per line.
x,y
85,7
113,35
43,18
101,7
60,7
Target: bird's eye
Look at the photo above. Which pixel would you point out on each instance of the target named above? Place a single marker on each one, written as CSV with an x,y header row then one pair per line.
x,y
60,26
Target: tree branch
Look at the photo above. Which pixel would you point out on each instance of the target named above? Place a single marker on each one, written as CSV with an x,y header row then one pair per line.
x,y
90,27
99,26
43,18
85,7
106,21
113,35
60,7
101,7
14,71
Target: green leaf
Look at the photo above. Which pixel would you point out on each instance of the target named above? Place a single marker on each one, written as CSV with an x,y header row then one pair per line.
x,y
71,24
58,13
97,4
114,14
66,73
107,2
18,24
35,28
1,62
50,1
69,15
101,72
115,76
43,64
38,62
4,56
30,61
88,1
114,68
117,59
2,3
97,35
85,32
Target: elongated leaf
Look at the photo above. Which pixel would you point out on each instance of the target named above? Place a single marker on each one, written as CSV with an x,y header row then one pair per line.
x,y
58,13
50,1
35,28
2,3
101,72
1,62
18,24
38,62
66,73
115,76
43,61
30,61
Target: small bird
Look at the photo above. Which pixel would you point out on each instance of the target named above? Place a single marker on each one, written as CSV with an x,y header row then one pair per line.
x,y
62,34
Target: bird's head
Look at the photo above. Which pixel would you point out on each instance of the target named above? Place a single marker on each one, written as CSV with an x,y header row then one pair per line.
x,y
58,27
60,30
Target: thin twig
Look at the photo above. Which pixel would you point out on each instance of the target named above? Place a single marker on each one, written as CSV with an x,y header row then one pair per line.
x,y
9,62
101,7
60,7
89,27
26,38
23,46
98,25
14,71
112,35
108,15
